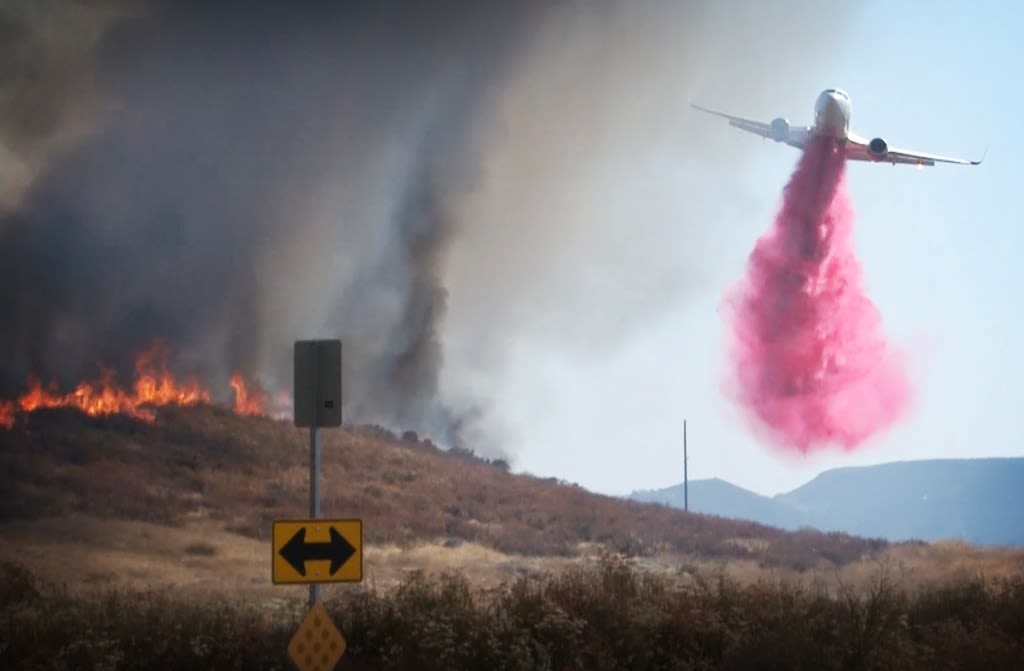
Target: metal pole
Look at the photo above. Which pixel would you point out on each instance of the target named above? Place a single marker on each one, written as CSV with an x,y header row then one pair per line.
x,y
686,474
314,467
314,493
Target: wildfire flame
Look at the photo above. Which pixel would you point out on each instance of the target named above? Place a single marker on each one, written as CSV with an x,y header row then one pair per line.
x,y
7,413
244,403
154,386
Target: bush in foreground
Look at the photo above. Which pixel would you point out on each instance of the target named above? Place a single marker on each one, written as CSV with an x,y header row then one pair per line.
x,y
601,619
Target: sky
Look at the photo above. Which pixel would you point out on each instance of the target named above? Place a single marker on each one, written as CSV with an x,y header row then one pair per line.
x,y
939,249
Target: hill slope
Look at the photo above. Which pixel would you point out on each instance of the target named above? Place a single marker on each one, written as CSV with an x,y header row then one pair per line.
x,y
976,500
718,497
208,464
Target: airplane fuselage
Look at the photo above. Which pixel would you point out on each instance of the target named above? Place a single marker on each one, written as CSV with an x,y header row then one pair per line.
x,y
832,120
832,114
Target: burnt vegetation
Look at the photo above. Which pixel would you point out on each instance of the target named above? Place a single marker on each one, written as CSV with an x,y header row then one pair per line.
x,y
246,472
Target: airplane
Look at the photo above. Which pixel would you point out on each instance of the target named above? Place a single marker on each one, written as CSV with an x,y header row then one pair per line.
x,y
832,119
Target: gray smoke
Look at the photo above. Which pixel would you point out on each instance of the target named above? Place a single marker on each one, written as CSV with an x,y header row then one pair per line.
x,y
47,90
189,213
605,204
232,176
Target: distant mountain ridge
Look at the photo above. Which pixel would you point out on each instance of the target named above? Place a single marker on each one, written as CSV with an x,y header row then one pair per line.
x,y
980,501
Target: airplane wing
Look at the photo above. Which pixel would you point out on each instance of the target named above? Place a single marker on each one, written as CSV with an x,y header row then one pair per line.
x,y
857,150
794,136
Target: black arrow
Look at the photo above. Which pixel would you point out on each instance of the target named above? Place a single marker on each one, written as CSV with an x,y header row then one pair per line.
x,y
297,551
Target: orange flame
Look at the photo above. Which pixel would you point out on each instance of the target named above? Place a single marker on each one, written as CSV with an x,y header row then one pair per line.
x,y
7,413
154,386
98,398
244,403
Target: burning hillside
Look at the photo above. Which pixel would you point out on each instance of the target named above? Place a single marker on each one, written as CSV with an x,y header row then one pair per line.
x,y
154,385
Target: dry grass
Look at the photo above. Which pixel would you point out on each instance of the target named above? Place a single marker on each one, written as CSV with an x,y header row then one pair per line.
x,y
189,501
608,617
157,536
242,473
200,559
921,563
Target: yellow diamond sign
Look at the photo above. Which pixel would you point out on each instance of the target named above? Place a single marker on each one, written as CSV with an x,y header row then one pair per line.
x,y
317,645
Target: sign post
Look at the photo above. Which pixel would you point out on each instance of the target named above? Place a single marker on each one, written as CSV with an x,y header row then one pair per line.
x,y
317,392
316,550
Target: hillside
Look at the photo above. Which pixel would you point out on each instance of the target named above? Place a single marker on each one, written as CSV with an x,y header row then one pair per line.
x,y
128,541
718,497
974,500
238,474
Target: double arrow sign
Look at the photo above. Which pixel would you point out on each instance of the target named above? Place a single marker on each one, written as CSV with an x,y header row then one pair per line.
x,y
316,551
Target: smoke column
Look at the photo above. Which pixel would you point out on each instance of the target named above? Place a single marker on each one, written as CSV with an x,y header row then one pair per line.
x,y
811,366
231,176
447,186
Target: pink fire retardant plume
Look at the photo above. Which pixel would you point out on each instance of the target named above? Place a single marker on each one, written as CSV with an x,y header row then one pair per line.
x,y
810,364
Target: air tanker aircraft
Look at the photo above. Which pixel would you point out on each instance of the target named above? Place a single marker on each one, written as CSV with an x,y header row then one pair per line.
x,y
832,119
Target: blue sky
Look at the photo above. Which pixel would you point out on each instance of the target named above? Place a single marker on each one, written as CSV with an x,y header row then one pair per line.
x,y
939,248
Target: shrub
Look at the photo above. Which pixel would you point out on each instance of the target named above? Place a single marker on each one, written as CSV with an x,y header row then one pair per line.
x,y
608,617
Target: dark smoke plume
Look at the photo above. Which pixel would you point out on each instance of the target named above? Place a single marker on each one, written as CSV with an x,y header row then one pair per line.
x,y
190,211
47,90
232,176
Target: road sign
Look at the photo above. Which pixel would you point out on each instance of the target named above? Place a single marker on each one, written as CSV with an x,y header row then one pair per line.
x,y
316,551
317,385
317,645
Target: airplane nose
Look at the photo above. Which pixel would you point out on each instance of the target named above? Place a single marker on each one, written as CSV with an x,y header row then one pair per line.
x,y
829,114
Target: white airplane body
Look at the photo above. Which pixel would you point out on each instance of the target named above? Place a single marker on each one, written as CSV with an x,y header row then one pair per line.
x,y
832,119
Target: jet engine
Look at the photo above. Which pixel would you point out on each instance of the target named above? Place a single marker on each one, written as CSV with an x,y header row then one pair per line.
x,y
780,129
878,148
